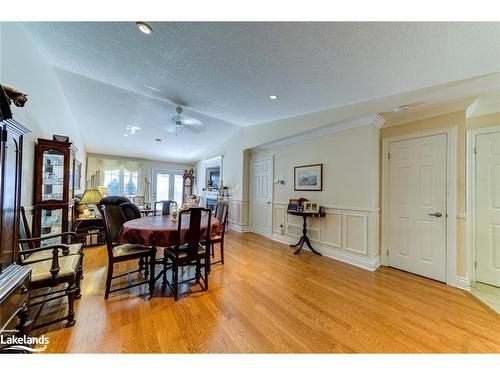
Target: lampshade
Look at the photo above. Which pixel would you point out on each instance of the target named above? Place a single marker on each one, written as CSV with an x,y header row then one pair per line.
x,y
103,190
91,196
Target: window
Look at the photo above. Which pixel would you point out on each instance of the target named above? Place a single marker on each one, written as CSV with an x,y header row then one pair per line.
x,y
178,188
162,187
112,181
121,182
130,183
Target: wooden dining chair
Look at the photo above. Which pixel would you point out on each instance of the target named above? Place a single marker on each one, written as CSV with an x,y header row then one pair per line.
x,y
188,249
221,212
165,207
114,217
139,200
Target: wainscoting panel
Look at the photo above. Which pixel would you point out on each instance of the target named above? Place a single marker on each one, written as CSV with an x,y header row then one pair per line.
x,y
238,215
349,235
356,232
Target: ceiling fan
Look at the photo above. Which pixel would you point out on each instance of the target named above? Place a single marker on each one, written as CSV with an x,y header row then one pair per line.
x,y
181,121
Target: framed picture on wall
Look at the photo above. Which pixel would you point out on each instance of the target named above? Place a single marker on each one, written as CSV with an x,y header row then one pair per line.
x,y
308,177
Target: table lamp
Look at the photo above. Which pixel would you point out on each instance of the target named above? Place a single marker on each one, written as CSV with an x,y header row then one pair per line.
x,y
103,190
91,197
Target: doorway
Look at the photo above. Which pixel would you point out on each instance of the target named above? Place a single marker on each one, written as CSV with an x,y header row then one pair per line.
x,y
418,198
167,185
261,196
484,200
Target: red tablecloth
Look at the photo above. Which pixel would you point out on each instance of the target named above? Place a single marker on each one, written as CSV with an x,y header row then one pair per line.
x,y
160,230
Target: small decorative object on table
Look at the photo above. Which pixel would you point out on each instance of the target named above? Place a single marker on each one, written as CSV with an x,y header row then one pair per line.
x,y
174,211
311,207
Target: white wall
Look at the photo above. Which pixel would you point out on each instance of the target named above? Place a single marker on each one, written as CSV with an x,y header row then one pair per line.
x,y
349,230
350,167
46,113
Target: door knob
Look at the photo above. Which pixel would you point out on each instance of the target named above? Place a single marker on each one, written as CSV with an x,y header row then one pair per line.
x,y
268,202
436,214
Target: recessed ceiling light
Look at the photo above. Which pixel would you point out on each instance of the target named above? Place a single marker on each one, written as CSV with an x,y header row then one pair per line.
x,y
401,108
273,97
144,27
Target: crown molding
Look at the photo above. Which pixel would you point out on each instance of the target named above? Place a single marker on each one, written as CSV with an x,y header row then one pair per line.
x,y
379,120
428,112
322,131
469,112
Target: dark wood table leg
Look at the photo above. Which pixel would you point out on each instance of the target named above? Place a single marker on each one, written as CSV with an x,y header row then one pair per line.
x,y
304,239
310,246
299,246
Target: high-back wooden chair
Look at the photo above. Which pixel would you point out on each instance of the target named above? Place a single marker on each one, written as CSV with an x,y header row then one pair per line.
x,y
139,200
165,207
114,215
221,212
190,249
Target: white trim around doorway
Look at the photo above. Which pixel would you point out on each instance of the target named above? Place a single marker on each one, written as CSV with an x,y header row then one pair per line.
x,y
471,196
451,199
250,201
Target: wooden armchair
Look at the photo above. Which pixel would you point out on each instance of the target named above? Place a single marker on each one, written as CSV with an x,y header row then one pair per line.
x,y
51,266
190,250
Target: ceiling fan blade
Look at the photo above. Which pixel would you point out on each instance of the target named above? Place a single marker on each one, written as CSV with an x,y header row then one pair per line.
x,y
171,129
196,128
190,121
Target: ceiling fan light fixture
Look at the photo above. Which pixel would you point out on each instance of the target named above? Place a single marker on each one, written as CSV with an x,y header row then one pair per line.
x,y
144,27
131,130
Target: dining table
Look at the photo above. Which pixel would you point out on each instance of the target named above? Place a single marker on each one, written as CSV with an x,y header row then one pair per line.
x,y
162,230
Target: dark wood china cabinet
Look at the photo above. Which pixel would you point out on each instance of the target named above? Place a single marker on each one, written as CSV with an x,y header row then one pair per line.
x,y
14,279
54,187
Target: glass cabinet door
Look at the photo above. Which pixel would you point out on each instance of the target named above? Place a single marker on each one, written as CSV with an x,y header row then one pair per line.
x,y
51,223
52,175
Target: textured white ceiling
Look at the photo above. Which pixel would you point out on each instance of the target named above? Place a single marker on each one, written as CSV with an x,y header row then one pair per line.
x,y
103,113
227,71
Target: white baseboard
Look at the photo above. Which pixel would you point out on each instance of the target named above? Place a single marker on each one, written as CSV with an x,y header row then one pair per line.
x,y
239,228
337,254
462,283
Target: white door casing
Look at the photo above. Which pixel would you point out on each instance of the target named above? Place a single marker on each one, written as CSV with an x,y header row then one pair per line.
x,y
417,199
487,208
261,197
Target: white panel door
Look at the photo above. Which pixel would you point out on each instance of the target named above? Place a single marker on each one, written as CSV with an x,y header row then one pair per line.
x,y
262,196
487,220
417,206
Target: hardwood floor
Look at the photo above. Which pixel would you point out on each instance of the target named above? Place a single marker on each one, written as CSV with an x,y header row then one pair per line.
x,y
266,300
